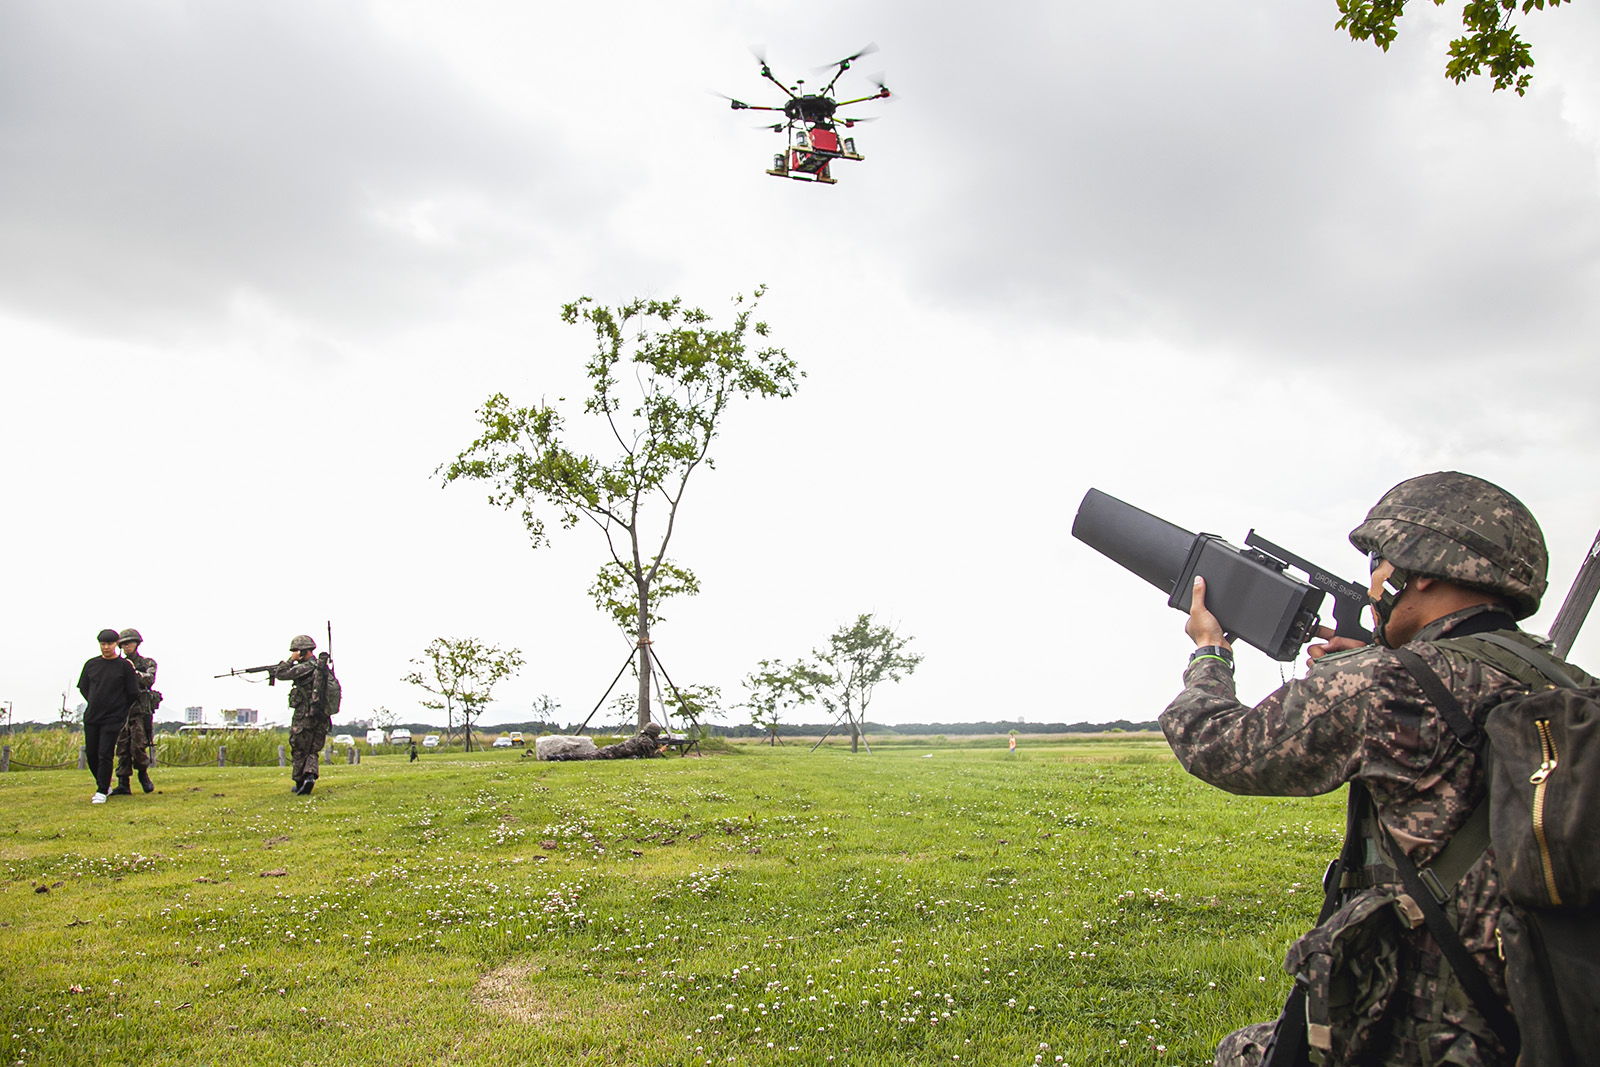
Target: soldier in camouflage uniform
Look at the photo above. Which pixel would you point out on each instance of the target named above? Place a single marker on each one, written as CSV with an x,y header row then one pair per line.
x,y
641,745
1452,555
133,743
314,701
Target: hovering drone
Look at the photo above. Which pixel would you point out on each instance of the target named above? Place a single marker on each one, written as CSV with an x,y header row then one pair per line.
x,y
811,125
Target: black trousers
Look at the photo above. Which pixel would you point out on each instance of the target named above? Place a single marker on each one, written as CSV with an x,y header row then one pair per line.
x,y
100,747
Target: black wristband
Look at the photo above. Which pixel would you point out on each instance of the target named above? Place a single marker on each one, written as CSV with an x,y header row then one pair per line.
x,y
1213,652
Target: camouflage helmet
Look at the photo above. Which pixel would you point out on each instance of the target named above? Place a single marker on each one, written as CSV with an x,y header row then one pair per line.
x,y
652,729
302,643
1462,529
130,634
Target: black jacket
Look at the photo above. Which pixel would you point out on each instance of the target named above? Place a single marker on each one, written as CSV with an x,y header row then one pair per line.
x,y
111,686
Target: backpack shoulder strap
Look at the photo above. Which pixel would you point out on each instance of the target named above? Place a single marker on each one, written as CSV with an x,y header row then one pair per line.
x,y
1440,697
1448,939
1547,665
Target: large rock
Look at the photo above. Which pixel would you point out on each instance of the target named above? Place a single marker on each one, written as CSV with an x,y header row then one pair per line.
x,y
559,747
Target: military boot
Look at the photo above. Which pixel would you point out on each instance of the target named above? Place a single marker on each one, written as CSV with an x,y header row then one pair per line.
x,y
307,784
295,788
144,781
122,789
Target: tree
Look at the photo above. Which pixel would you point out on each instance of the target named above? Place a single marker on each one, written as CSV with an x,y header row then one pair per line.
x,y
695,702
460,673
686,372
1491,39
774,691
384,718
843,675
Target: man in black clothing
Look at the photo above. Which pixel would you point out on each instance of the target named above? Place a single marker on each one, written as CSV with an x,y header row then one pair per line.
x,y
110,685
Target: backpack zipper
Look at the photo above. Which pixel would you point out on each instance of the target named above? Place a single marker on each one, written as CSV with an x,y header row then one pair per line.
x,y
1538,780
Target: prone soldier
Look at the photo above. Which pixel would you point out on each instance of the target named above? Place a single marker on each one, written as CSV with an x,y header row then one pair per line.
x,y
133,743
642,745
314,701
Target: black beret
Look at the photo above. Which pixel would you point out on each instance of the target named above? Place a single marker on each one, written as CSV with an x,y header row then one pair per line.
x,y
107,637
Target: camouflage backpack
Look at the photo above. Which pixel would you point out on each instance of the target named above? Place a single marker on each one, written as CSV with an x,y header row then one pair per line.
x,y
1542,818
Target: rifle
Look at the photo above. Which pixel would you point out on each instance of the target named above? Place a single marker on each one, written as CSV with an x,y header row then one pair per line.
x,y
250,670
1247,589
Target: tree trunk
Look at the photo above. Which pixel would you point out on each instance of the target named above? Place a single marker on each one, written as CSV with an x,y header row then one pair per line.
x,y
644,655
855,736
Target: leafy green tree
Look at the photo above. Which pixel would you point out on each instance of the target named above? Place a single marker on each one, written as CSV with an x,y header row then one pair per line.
x,y
1491,39
843,675
460,674
681,373
775,690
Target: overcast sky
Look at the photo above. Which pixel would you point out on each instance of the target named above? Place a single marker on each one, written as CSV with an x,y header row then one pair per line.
x,y
259,264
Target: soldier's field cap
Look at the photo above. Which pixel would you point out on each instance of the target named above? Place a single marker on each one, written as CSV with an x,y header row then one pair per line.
x,y
107,637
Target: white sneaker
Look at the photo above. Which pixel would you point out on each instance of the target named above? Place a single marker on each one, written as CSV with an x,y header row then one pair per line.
x,y
98,798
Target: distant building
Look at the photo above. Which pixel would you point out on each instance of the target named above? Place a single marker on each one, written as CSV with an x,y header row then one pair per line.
x,y
242,716
194,714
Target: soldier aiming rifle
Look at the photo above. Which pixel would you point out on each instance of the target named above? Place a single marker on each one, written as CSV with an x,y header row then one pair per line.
x,y
313,702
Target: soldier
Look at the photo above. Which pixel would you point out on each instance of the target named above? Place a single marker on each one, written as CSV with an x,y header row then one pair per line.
x,y
110,687
1451,556
641,745
314,700
133,743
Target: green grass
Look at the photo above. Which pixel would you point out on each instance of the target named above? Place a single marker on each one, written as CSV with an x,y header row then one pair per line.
x,y
764,906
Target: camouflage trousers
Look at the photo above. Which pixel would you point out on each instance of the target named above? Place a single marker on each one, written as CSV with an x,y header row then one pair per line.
x,y
305,743
133,745
1243,1048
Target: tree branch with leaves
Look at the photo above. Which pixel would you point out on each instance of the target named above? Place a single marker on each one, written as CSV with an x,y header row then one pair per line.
x,y
682,372
1491,40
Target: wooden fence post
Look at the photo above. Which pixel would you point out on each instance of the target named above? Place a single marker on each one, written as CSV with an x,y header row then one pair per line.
x,y
5,758
280,755
83,758
222,755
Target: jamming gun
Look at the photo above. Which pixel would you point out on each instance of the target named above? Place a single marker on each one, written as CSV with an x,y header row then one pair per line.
x,y
250,670
1247,589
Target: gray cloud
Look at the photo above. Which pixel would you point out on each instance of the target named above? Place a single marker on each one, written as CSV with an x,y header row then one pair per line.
x,y
165,163
1249,177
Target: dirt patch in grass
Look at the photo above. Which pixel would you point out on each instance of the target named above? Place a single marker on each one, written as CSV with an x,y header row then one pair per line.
x,y
518,991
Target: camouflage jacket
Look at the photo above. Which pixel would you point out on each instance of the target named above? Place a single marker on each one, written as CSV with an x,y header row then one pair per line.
x,y
1360,715
145,667
307,693
639,746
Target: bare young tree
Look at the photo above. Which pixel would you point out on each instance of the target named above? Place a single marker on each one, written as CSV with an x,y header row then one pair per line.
x,y
460,673
680,373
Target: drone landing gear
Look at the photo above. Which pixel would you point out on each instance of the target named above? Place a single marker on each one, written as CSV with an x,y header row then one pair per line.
x,y
809,157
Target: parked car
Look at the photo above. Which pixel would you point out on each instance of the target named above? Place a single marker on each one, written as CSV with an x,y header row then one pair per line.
x,y
516,737
503,742
343,739
401,736
374,737
431,741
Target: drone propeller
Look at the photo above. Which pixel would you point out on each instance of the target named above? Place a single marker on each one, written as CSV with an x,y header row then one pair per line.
x,y
851,122
776,127
737,105
844,64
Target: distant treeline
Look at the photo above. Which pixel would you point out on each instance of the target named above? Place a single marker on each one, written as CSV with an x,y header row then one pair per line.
x,y
812,729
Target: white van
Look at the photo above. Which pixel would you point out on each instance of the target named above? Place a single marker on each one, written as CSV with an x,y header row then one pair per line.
x,y
374,737
401,736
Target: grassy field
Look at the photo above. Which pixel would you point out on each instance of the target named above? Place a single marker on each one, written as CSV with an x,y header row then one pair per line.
x,y
1082,902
